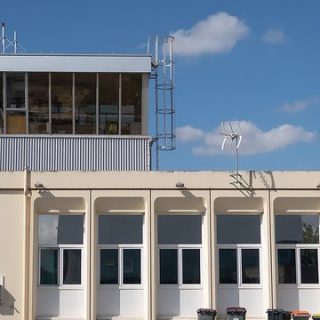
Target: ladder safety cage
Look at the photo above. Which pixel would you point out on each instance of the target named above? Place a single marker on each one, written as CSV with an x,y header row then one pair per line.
x,y
163,74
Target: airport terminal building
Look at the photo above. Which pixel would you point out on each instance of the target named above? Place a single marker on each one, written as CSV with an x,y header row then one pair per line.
x,y
89,231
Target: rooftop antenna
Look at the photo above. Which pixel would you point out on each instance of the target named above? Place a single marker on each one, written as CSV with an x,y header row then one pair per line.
x,y
3,38
231,132
8,46
15,42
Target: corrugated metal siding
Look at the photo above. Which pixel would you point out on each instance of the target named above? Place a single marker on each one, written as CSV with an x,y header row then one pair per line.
x,y
70,153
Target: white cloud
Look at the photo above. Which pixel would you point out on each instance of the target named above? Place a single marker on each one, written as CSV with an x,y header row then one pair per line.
x,y
254,141
189,134
273,36
298,106
216,34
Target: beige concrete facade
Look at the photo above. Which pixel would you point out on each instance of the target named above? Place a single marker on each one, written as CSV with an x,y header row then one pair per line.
x,y
24,196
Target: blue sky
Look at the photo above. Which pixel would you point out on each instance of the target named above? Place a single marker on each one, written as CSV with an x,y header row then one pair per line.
x,y
256,62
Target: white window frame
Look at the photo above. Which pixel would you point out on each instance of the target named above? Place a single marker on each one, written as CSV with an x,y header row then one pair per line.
x,y
180,284
120,248
239,248
61,248
297,248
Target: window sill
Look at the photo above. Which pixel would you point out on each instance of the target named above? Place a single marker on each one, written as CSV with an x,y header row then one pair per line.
x,y
181,287
298,286
122,287
64,287
242,286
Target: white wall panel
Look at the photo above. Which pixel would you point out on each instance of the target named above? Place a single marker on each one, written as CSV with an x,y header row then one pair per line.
x,y
179,302
120,302
75,63
249,298
60,302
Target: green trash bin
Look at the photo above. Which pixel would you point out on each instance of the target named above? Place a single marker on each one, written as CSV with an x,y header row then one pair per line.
x,y
206,314
236,313
316,316
278,314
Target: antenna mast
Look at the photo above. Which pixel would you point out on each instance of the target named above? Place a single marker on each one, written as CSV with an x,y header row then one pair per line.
x,y
3,38
163,73
8,46
229,133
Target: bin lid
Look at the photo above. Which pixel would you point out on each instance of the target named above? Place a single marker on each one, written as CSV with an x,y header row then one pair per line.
x,y
300,313
208,312
275,311
236,310
316,315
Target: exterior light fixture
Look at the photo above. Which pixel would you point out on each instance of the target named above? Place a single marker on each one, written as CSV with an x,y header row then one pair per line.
x,y
180,185
39,185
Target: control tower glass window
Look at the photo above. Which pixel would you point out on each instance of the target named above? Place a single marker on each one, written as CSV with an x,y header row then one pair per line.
x,y
15,106
38,84
85,102
1,104
61,95
131,87
108,103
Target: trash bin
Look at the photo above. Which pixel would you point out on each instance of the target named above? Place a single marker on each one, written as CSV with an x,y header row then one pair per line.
x,y
278,314
236,313
206,314
300,315
316,316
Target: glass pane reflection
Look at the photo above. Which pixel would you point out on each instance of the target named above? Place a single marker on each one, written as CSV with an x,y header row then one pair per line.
x,y
38,102
16,114
108,103
250,266
191,266
85,102
168,266
71,266
228,266
131,103
131,266
309,265
109,266
1,104
233,229
61,95
286,266
120,229
49,266
60,229
297,229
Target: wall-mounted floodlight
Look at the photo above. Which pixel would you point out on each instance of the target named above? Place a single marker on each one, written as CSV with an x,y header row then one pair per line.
x,y
180,185
39,185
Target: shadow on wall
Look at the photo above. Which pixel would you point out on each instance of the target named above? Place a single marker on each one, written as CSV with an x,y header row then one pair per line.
x,y
245,183
7,307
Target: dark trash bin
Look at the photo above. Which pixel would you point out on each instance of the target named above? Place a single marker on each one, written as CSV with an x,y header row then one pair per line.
x,y
316,316
278,314
300,315
206,314
236,313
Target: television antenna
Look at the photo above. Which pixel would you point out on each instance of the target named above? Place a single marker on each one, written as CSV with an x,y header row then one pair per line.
x,y
231,132
9,46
